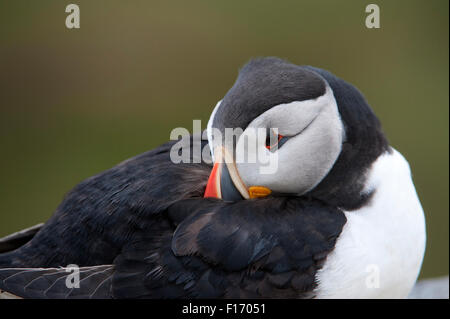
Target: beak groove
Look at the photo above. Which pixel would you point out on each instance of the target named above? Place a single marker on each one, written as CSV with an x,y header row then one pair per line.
x,y
225,182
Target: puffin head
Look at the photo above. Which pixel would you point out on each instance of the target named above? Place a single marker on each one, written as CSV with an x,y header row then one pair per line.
x,y
278,130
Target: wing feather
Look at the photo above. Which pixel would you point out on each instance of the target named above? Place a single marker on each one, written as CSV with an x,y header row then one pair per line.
x,y
43,283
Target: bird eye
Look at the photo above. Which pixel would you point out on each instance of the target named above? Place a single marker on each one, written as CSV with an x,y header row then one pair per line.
x,y
274,141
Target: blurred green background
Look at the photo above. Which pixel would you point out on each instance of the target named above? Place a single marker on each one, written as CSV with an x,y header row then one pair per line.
x,y
76,102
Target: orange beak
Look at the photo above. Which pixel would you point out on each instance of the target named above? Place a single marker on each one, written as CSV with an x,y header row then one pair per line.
x,y
225,182
213,186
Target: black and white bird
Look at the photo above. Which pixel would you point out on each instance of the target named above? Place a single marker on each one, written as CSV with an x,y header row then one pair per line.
x,y
339,217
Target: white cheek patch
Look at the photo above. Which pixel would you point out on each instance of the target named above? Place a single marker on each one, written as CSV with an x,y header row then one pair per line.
x,y
307,157
291,118
251,148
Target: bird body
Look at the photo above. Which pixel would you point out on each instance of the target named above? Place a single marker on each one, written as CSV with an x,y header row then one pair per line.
x,y
338,217
386,239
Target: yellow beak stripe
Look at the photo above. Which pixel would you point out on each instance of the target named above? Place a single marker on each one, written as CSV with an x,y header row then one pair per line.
x,y
258,191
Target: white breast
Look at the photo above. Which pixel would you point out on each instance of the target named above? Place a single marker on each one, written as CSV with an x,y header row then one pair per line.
x,y
380,250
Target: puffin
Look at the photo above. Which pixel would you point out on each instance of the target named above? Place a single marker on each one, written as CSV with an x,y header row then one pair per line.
x,y
306,200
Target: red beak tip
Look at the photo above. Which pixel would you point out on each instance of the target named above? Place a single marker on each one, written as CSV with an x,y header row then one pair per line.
x,y
212,187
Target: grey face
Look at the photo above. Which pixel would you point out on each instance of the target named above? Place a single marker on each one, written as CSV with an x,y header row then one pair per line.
x,y
273,94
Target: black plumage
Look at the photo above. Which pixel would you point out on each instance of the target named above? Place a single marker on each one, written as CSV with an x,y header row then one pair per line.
x,y
262,84
186,248
364,143
102,213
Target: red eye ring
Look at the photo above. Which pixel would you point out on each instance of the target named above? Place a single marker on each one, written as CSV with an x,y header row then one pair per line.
x,y
279,137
